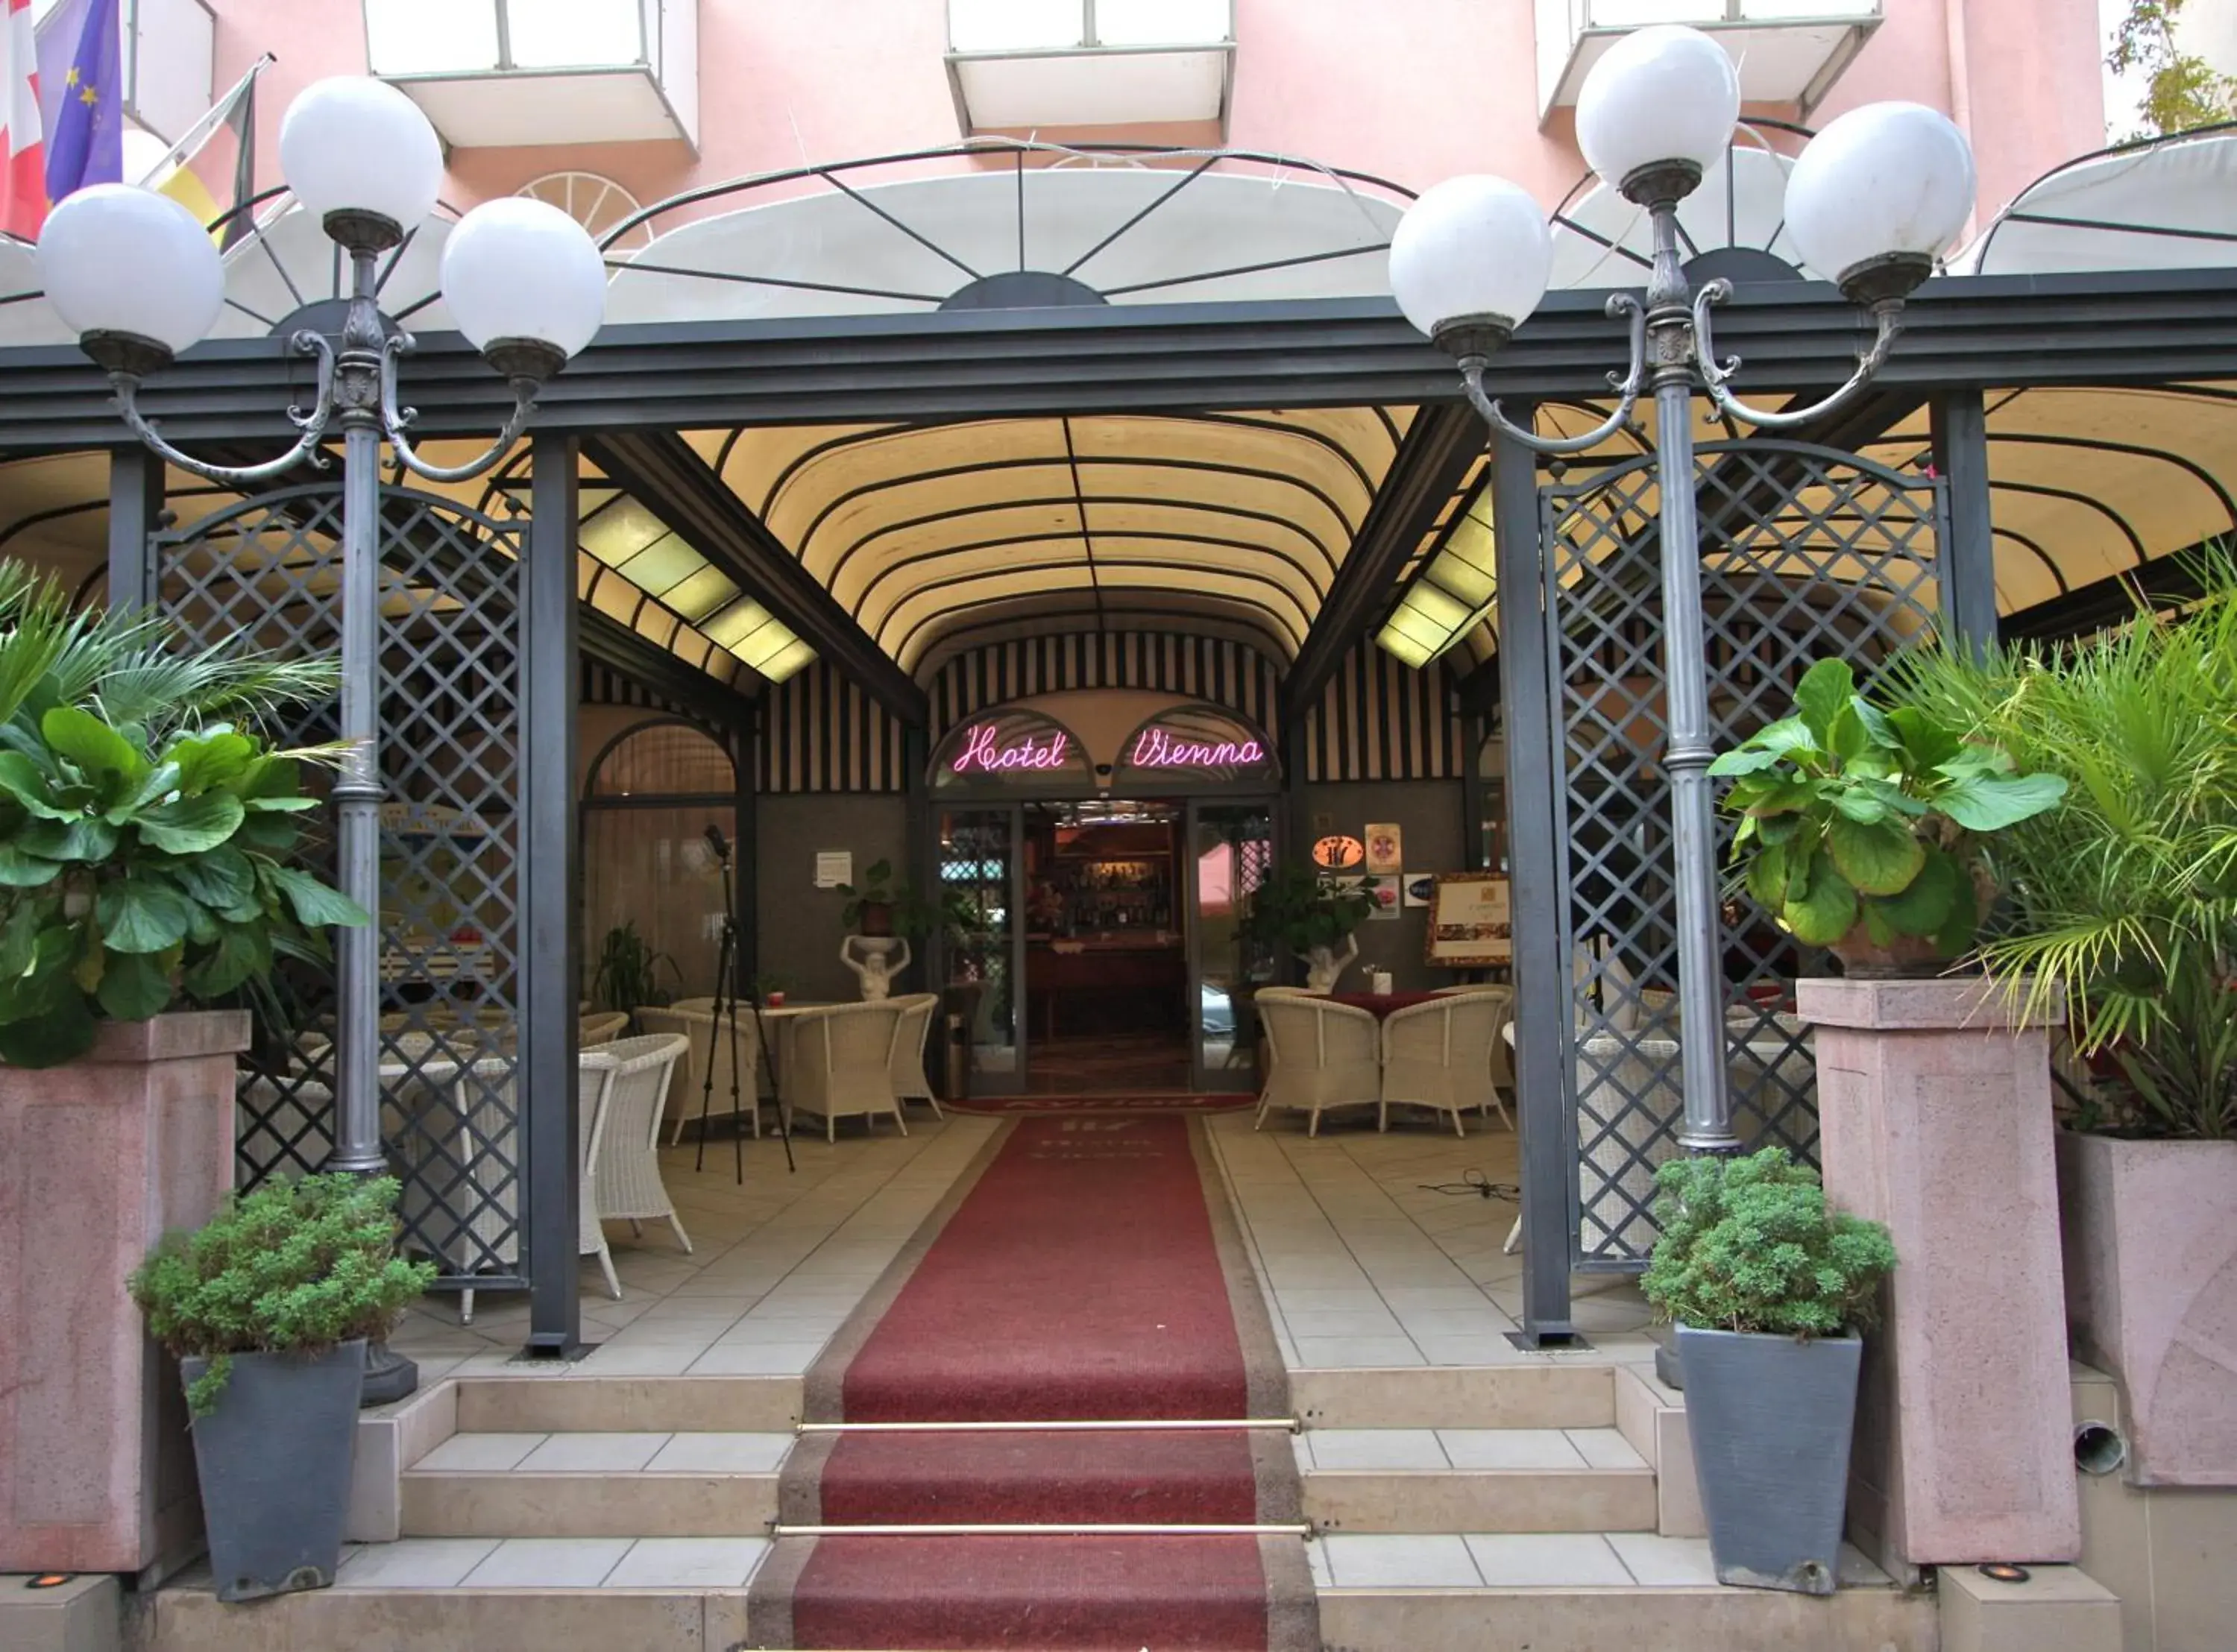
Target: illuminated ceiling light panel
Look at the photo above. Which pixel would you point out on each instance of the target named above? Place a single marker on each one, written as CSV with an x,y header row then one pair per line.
x,y
701,595
663,565
620,531
1451,597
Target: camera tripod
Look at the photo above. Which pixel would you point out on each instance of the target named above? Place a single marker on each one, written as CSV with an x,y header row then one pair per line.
x,y
726,1015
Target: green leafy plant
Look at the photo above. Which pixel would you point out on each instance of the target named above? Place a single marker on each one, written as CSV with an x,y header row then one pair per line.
x,y
1748,1244
144,850
1295,909
292,1268
2124,898
885,905
627,973
1851,816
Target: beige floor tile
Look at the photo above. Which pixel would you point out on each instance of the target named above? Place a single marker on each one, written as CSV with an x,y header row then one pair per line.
x,y
652,1360
1342,1322
481,1451
756,1359
721,1453
1376,1448
1509,1448
415,1563
1362,1561
590,1453
1314,1353
1471,1351
1665,1562
1307,1300
688,1562
549,1563
1603,1448
1552,1560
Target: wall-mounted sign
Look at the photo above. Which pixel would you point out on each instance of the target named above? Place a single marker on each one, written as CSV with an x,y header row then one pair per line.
x,y
1384,845
1196,742
1471,920
1338,853
1013,747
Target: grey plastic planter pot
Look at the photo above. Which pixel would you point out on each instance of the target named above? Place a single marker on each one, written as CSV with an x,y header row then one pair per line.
x,y
274,1460
1769,1419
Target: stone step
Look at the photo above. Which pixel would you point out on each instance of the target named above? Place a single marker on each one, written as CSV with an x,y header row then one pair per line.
x,y
1475,1480
1393,1593
578,1402
601,1485
1568,1394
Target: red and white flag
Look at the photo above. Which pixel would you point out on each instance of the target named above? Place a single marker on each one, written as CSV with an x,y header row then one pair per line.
x,y
23,180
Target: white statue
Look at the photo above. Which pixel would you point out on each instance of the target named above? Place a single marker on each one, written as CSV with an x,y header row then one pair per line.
x,y
876,965
1324,964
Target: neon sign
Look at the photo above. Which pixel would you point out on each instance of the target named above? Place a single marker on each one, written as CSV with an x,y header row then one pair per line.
x,y
1155,748
983,752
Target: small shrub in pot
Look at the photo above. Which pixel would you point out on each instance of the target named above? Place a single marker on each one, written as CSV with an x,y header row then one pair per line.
x,y
270,1306
1768,1288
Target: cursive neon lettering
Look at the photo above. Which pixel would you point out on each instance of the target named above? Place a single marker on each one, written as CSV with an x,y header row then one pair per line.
x,y
1158,750
982,752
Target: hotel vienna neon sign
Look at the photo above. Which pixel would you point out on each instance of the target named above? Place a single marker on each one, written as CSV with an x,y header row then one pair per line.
x,y
985,751
1156,747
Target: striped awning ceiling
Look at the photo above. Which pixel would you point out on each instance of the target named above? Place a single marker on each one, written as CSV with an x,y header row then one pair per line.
x,y
935,537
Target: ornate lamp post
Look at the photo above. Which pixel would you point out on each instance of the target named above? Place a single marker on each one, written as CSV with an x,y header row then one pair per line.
x,y
139,279
1872,200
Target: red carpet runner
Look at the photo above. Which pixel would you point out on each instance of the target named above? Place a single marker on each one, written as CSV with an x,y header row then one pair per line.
x,y
1090,1271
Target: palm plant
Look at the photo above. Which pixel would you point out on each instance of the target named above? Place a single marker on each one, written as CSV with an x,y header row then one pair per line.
x,y
2125,898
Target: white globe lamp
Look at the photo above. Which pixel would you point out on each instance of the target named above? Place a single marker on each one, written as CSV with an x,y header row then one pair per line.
x,y
132,274
1656,112
1877,195
1469,262
362,159
524,283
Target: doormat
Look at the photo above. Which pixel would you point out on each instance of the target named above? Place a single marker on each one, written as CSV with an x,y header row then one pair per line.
x,y
1003,1106
1084,1269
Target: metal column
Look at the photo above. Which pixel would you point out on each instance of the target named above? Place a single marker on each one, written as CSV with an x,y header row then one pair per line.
x,y
1543,1113
135,510
745,849
549,1077
1966,564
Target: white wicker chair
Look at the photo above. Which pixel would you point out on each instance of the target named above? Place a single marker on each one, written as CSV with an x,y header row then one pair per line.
x,y
453,1124
1324,1055
1438,1054
841,1060
1502,1053
910,1080
623,1085
602,1028
695,1019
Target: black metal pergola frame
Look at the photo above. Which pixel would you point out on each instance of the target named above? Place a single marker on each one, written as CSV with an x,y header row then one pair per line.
x,y
1964,335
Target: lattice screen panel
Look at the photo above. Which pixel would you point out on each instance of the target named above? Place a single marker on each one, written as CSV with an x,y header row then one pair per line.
x,y
270,569
1806,552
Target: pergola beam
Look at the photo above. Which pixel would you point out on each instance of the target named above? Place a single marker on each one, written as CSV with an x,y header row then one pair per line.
x,y
661,470
2123,328
605,639
1432,461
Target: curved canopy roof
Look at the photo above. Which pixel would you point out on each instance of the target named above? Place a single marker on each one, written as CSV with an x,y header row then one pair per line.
x,y
2167,204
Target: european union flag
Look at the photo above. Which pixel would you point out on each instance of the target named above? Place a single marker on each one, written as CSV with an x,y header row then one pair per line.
x,y
86,143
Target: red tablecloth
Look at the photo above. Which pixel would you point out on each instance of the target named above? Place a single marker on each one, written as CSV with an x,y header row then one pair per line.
x,y
1380,1005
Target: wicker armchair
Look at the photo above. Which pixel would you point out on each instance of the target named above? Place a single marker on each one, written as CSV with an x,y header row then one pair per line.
x,y
1438,1054
1324,1055
840,1061
1502,1052
623,1086
910,1080
602,1028
695,1019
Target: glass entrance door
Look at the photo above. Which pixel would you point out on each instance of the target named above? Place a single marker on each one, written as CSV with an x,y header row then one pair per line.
x,y
1231,850
981,897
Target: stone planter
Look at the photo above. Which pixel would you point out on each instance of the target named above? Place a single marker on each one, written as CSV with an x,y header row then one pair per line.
x,y
2151,1295
273,1458
1769,1419
98,1160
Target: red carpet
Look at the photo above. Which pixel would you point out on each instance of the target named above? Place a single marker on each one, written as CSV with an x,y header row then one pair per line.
x,y
1003,1106
1088,1273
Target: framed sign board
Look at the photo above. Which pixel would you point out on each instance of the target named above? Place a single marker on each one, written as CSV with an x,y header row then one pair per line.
x,y
1471,920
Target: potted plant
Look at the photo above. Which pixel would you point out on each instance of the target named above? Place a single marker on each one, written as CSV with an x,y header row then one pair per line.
x,y
882,906
1860,829
1299,912
1768,1289
268,1306
2123,901
626,975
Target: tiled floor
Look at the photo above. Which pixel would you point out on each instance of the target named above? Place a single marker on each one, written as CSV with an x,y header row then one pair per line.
x,y
1557,1560
1464,1448
1369,1255
1378,1249
554,1563
610,1453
